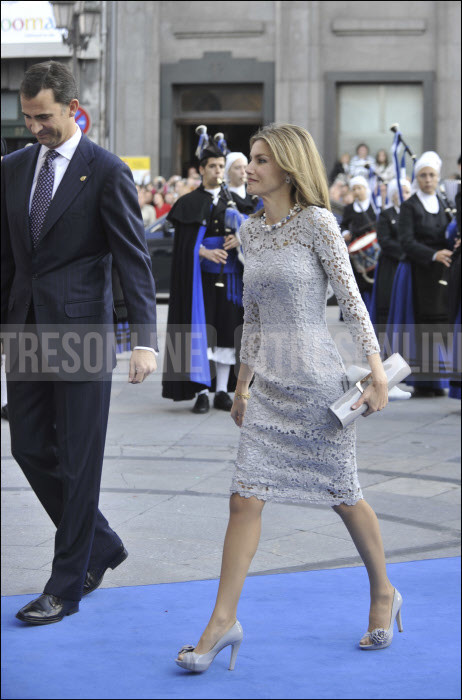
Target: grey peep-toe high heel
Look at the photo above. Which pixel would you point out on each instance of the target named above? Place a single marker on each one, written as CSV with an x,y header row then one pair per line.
x,y
381,638
200,662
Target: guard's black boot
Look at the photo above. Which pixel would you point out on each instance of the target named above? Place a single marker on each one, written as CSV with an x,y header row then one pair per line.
x,y
222,401
202,404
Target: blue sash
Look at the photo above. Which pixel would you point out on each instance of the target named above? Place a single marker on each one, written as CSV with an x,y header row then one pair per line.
x,y
401,318
232,270
200,368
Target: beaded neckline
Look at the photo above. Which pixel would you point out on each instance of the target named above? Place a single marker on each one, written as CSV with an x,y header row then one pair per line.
x,y
269,228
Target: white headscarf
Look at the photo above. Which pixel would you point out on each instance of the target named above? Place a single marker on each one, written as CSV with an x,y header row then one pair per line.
x,y
392,188
357,205
429,159
230,159
360,180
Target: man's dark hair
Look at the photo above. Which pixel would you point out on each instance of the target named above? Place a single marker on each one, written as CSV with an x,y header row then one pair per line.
x,y
50,75
204,161
362,145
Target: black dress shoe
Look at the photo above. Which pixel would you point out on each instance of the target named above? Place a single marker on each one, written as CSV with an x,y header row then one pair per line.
x,y
47,609
222,401
202,404
4,412
94,577
439,392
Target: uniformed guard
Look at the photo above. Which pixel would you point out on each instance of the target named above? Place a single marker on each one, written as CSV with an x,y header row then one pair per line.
x,y
205,309
391,254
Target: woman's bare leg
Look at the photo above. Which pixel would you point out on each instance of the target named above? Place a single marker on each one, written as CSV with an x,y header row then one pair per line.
x,y
363,526
241,542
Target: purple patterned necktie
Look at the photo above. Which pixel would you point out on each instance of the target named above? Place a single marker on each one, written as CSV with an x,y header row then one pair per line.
x,y
42,196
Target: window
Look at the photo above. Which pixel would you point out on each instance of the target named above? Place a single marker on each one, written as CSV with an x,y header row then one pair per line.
x,y
10,106
366,112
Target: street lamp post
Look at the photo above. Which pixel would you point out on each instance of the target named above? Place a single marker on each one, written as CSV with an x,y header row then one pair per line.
x,y
79,21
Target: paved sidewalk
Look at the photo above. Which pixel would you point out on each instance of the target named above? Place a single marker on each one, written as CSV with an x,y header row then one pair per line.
x,y
166,482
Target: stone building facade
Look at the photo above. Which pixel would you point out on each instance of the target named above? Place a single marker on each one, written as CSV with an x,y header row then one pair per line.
x,y
344,70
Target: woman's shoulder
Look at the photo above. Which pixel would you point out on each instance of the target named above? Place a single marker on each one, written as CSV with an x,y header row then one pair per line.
x,y
319,215
319,221
412,201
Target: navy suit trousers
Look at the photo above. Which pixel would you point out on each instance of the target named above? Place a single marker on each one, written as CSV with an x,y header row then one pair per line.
x,y
59,444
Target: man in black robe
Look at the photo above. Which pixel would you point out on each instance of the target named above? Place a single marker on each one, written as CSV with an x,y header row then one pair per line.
x,y
203,319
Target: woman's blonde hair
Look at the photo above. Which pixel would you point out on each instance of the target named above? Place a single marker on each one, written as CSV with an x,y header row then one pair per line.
x,y
295,152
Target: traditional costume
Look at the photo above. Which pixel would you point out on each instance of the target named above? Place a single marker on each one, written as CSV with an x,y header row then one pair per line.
x,y
391,254
203,319
360,218
418,319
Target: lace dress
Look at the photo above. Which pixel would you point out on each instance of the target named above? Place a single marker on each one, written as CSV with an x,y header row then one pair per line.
x,y
290,449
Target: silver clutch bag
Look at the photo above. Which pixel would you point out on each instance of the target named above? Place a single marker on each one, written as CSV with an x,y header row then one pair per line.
x,y
396,368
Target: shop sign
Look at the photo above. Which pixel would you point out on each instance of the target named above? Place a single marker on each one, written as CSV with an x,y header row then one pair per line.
x,y
140,167
29,22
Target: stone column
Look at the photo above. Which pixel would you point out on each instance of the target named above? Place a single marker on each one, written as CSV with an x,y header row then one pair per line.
x,y
298,79
447,17
137,84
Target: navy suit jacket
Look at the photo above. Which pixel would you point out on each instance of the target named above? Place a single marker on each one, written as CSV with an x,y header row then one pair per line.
x,y
94,218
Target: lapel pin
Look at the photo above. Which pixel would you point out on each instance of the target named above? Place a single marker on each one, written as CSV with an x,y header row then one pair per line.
x,y
83,178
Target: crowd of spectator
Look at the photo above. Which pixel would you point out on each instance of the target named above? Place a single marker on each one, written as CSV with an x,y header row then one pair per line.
x,y
361,164
156,198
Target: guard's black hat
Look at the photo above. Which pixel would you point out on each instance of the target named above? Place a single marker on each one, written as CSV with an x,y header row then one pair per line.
x,y
209,148
211,151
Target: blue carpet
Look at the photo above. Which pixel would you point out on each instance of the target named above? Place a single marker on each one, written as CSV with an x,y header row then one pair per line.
x,y
300,635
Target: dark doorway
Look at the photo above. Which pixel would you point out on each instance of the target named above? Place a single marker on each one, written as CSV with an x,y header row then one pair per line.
x,y
237,137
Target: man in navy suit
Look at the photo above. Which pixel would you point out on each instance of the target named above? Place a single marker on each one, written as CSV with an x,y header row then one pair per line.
x,y
69,209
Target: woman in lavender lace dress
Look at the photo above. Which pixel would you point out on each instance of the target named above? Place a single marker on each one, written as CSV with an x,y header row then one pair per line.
x,y
290,449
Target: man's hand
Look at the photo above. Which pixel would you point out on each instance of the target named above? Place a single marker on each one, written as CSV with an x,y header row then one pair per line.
x,y
216,255
231,242
142,363
444,256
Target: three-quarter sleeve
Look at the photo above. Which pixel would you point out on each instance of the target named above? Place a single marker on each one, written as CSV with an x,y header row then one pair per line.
x,y
251,331
333,254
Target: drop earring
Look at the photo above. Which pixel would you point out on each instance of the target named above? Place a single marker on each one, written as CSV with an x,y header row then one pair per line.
x,y
288,179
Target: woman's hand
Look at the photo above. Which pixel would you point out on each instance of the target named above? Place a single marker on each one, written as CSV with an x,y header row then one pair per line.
x,y
375,396
217,255
444,256
238,411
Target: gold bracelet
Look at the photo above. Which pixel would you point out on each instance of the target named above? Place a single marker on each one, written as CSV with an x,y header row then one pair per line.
x,y
237,395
